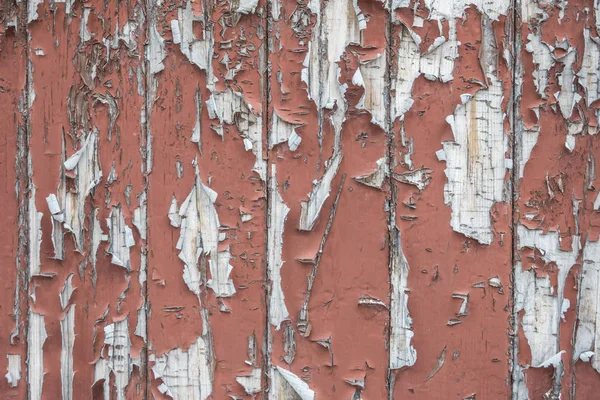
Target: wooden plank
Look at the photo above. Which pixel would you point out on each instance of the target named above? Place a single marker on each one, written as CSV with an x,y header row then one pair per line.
x,y
207,204
452,201
328,252
86,98
13,189
556,232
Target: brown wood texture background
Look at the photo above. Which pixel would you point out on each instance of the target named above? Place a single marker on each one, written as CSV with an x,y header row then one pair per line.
x,y
300,199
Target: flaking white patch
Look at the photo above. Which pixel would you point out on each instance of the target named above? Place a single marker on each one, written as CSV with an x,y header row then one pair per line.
x,y
590,66
220,272
13,374
251,383
402,353
535,295
567,97
376,178
276,222
408,69
587,339
283,131
229,107
286,385
199,231
36,337
68,207
373,81
67,332
35,236
475,165
311,208
120,238
186,374
118,344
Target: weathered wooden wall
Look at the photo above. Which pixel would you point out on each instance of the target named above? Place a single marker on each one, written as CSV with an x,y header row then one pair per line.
x,y
298,199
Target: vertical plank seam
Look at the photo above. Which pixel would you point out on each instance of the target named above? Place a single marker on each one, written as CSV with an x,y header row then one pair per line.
x,y
29,182
145,129
513,318
391,193
267,96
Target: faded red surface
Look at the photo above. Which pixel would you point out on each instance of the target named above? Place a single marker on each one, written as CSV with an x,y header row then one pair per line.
x,y
13,186
371,296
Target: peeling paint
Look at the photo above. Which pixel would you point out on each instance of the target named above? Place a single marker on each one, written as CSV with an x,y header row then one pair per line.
x,y
475,164
279,210
402,353
273,103
36,337
285,384
13,374
186,374
320,192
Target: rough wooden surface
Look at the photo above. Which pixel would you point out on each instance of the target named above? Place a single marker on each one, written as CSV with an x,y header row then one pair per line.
x,y
299,199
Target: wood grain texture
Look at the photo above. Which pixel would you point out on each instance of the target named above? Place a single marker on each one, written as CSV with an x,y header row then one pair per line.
x,y
281,199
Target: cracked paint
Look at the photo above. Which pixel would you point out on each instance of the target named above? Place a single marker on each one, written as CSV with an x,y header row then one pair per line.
x,y
317,199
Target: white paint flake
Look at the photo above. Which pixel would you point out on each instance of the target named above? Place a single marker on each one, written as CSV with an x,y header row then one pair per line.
x,y
339,25
531,9
68,207
444,9
173,213
373,100
421,178
286,385
587,339
543,60
229,107
311,208
118,344
120,238
475,165
198,51
245,215
66,292
402,354
438,61
251,383
376,178
35,236
543,308
32,7
283,131
590,66
408,69
220,271
519,384
199,231
102,373
36,337
276,222
67,332
535,296
155,51
197,131
529,138
84,34
245,6
567,97
186,375
139,215
13,374
95,239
